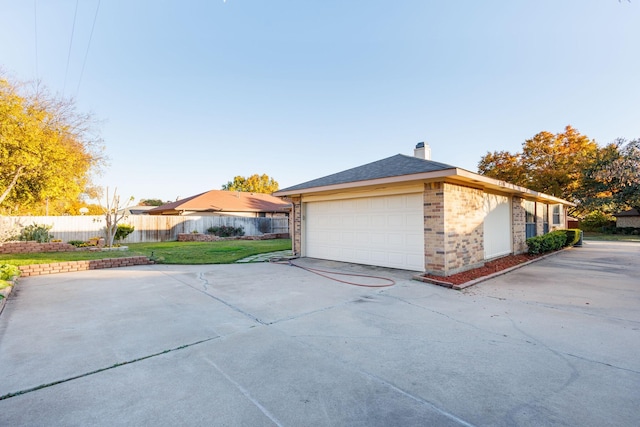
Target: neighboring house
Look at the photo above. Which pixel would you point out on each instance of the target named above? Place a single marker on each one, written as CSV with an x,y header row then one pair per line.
x,y
229,203
136,210
630,218
416,214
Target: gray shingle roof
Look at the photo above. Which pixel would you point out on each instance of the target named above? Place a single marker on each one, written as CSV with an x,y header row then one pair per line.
x,y
397,165
630,212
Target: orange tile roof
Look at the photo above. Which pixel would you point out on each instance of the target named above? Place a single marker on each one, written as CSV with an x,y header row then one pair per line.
x,y
224,201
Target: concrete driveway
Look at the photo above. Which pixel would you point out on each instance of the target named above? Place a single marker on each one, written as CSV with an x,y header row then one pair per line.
x,y
553,343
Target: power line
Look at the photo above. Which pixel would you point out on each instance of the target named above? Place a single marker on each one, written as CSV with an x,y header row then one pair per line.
x,y
86,54
35,30
73,29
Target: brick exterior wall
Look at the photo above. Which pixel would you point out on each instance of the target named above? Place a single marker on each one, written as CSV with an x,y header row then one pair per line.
x,y
518,225
453,226
295,225
434,236
464,230
32,246
199,237
540,219
67,267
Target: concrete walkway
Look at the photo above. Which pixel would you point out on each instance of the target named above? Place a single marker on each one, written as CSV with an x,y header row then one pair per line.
x,y
265,257
553,343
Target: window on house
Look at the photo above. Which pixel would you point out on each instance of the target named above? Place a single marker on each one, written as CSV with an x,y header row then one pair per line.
x,y
556,214
530,218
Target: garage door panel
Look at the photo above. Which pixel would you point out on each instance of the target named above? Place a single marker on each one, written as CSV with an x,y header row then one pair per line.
x,y
386,231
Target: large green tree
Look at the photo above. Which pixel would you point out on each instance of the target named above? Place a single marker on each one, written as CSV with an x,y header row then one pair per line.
x,y
612,181
47,150
549,163
253,184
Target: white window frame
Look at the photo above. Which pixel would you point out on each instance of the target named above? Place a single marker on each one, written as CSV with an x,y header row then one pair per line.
x,y
557,215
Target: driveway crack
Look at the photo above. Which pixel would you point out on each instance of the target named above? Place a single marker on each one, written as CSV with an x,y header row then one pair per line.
x,y
97,371
220,300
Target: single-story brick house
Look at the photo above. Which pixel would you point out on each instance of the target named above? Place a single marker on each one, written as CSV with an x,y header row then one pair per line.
x,y
226,203
416,214
630,218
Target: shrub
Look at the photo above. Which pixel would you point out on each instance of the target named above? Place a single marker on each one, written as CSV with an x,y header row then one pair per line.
x,y
547,242
77,243
596,220
226,231
7,271
628,230
37,232
123,231
264,225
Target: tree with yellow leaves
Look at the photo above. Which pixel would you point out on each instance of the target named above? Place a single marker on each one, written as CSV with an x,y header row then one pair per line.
x,y
47,150
253,184
549,163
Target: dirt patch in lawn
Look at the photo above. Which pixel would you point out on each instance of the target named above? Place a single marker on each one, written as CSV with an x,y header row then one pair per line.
x,y
490,267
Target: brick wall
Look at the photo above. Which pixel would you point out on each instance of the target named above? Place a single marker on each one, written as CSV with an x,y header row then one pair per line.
x,y
70,266
518,225
464,228
540,219
199,237
453,228
32,246
295,224
434,238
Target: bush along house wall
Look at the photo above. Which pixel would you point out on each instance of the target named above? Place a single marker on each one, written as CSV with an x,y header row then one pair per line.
x,y
553,241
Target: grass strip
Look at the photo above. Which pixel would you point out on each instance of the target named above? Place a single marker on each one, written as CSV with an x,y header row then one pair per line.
x,y
221,252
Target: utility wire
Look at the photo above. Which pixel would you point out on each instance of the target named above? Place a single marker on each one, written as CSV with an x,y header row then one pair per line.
x,y
86,54
35,31
73,29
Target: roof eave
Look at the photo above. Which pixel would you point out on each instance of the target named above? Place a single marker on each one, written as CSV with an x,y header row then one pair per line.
x,y
387,180
452,175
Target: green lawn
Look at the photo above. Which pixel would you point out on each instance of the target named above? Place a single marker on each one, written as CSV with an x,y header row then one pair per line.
x,y
223,252
591,235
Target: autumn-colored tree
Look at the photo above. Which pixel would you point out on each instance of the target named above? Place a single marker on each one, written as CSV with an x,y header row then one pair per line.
x,y
253,184
549,163
47,150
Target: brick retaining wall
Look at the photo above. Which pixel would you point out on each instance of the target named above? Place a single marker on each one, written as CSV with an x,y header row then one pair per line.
x,y
199,237
33,246
70,266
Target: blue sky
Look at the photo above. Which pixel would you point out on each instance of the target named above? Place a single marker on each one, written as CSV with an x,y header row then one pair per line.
x,y
192,93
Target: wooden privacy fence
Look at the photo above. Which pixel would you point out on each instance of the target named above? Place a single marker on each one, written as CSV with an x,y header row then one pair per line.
x,y
147,228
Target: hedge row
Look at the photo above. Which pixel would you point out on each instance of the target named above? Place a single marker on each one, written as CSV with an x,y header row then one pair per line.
x,y
553,241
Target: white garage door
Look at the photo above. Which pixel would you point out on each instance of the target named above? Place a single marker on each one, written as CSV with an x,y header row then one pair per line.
x,y
497,226
387,231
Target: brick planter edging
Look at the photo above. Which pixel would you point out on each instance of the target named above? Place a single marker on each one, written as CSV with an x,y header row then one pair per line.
x,y
200,237
32,246
71,266
462,286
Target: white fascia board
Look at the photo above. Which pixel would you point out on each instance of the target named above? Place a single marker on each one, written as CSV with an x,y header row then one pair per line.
x,y
455,175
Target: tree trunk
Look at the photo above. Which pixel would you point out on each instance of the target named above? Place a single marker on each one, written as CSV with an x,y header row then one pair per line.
x,y
12,184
